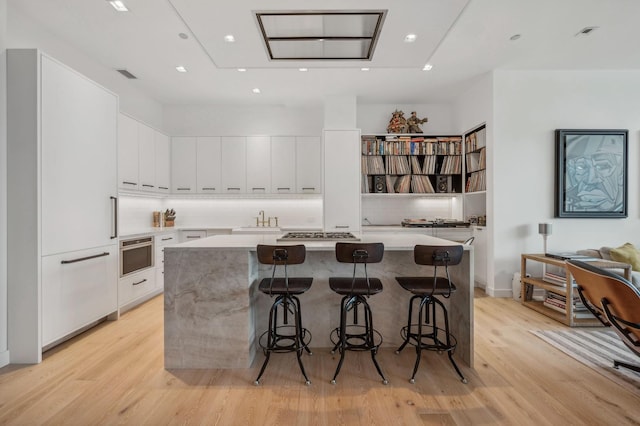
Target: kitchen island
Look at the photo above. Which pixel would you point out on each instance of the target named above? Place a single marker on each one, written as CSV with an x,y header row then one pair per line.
x,y
214,313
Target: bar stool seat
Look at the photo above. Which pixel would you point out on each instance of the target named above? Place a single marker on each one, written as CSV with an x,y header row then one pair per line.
x,y
280,336
423,332
355,336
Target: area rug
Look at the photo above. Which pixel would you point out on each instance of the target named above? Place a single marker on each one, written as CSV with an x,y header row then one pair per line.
x,y
596,349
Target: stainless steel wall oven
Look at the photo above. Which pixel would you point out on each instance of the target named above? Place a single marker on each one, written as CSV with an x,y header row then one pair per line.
x,y
135,255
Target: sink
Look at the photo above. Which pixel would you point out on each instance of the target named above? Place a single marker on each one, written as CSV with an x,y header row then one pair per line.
x,y
257,230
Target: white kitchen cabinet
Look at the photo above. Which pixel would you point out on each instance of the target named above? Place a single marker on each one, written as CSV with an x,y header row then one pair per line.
x,y
136,286
146,158
258,164
308,165
480,255
208,165
62,135
77,289
127,153
183,165
283,164
233,167
163,162
160,241
341,204
192,235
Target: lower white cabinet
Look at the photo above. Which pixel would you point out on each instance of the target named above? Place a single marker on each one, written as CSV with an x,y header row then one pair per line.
x,y
194,234
160,242
78,288
136,285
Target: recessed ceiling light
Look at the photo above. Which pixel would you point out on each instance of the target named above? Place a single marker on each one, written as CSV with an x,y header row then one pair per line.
x,y
183,36
410,38
229,38
256,90
242,69
515,37
586,31
180,68
118,5
427,67
303,69
364,69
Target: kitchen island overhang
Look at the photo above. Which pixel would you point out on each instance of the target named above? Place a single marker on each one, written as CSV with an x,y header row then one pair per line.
x,y
213,312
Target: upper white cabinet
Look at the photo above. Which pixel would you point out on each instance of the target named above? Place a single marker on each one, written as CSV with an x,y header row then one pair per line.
x,y
147,158
308,165
258,164
341,180
183,165
283,164
234,167
162,163
127,152
62,135
208,165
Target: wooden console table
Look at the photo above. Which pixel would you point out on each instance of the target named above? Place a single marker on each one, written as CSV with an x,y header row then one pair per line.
x,y
569,316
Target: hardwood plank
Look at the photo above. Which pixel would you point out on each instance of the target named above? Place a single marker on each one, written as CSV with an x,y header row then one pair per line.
x,y
114,373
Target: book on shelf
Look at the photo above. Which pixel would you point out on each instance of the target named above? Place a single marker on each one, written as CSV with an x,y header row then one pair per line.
x,y
568,255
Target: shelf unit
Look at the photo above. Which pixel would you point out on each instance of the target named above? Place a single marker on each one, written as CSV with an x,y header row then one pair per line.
x,y
475,148
528,284
411,163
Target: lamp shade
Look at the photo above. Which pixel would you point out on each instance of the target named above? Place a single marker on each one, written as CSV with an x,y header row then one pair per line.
x,y
544,228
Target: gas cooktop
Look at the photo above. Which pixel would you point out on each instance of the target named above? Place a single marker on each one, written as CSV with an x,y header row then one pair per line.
x,y
318,236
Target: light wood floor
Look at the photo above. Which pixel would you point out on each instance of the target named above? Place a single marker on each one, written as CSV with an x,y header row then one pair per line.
x,y
114,374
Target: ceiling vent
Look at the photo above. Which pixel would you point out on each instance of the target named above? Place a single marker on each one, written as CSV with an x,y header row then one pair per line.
x,y
320,35
127,74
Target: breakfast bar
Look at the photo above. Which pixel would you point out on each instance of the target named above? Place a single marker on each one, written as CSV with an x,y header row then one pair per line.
x,y
214,313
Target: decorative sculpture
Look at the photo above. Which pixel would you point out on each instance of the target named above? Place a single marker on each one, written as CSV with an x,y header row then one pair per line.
x,y
397,124
413,123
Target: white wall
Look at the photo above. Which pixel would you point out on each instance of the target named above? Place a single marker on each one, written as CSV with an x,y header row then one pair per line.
x,y
4,354
23,32
384,211
193,120
529,106
374,118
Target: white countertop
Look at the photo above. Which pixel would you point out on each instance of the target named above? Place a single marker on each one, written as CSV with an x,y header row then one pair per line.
x,y
249,242
150,231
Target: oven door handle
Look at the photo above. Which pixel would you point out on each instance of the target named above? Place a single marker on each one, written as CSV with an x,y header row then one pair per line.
x,y
82,259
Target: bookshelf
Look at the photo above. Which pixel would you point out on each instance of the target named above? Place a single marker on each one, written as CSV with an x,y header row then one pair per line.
x,y
411,163
556,292
475,148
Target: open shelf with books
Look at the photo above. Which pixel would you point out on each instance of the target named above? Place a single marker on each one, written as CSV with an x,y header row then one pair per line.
x,y
411,163
475,148
559,287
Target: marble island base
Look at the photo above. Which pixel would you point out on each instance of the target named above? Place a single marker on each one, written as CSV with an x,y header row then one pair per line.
x,y
214,312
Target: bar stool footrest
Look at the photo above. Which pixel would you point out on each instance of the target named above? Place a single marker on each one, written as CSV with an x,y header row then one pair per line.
x,y
284,342
356,341
432,344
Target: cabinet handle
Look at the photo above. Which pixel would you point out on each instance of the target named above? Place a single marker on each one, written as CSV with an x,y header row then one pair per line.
x,y
284,189
342,226
167,239
193,236
258,189
140,282
129,183
162,187
81,259
308,189
147,186
115,217
208,189
233,189
184,189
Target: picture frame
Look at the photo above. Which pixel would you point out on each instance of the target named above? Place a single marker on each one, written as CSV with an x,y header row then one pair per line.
x,y
591,173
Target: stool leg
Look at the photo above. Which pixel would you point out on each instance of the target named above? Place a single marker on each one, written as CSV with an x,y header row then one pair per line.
x,y
299,344
408,336
424,304
346,301
300,335
448,336
273,317
370,342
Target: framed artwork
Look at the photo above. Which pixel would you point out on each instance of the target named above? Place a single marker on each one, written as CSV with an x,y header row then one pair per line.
x,y
591,173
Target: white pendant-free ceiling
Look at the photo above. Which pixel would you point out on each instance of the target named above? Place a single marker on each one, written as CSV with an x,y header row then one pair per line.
x,y
318,35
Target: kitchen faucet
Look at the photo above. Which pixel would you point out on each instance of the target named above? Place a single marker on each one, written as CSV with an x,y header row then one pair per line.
x,y
262,222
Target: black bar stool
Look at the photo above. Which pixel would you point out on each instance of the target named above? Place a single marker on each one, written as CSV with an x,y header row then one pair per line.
x,y
354,336
283,337
424,290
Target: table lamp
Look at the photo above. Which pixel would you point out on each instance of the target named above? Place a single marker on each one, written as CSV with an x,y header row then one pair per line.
x,y
544,229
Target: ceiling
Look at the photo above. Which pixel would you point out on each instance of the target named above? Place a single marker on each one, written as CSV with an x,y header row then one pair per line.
x,y
462,39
